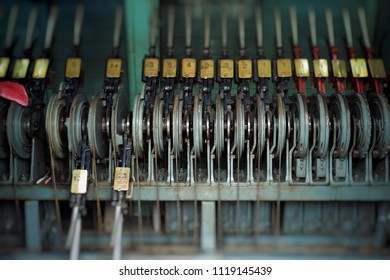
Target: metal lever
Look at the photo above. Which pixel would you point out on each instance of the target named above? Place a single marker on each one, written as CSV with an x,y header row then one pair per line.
x,y
116,236
348,28
259,27
224,28
51,23
313,28
241,29
11,25
188,23
329,24
78,22
278,28
171,26
73,240
363,26
207,17
118,26
153,28
294,25
32,20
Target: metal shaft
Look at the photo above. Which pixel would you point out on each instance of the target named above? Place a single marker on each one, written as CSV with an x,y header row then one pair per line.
x,y
259,26
364,27
313,28
278,27
11,25
118,26
78,23
348,28
32,19
294,25
329,24
51,23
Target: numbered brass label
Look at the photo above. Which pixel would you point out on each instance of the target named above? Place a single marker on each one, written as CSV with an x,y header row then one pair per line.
x,y
339,68
79,181
73,67
169,68
188,68
264,68
207,69
113,69
4,63
122,178
151,67
284,68
40,68
359,67
320,68
226,68
20,68
302,67
245,69
377,68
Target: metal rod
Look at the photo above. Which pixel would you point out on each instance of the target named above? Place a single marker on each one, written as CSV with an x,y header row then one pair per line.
x,y
329,24
188,23
364,27
118,26
348,28
51,24
171,26
32,20
69,240
241,28
78,23
117,250
259,26
224,28
11,25
75,249
313,27
207,18
153,28
278,28
294,25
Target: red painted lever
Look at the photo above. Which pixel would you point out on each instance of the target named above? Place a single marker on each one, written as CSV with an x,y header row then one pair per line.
x,y
14,92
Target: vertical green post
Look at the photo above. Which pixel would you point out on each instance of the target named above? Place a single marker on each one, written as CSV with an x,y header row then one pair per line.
x,y
137,20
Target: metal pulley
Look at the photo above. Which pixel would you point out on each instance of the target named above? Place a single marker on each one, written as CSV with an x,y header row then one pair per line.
x,y
77,127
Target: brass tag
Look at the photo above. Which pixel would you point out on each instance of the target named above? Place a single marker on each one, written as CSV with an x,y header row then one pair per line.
x,y
40,68
79,181
339,68
4,63
207,69
188,67
302,67
284,68
169,68
73,67
377,68
122,179
245,69
226,69
113,69
151,67
359,68
20,68
264,68
320,68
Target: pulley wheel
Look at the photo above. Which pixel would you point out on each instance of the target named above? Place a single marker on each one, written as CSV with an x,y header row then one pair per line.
x,y
137,129
78,118
198,125
119,112
280,119
177,125
158,139
320,113
4,146
300,113
239,131
55,125
261,125
18,124
98,139
219,132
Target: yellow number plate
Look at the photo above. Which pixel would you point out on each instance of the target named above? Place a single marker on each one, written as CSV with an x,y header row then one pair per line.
x,y
169,68
79,181
20,68
377,68
4,63
226,69
113,69
302,67
40,68
188,68
73,67
359,68
245,69
339,68
264,68
284,68
122,178
151,67
320,68
207,69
